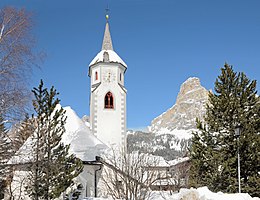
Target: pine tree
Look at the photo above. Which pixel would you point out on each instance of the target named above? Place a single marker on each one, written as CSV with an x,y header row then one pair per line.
x,y
5,154
21,131
2,152
53,167
235,103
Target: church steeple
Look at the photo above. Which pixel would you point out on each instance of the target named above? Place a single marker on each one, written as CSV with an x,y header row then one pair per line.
x,y
107,41
107,49
108,94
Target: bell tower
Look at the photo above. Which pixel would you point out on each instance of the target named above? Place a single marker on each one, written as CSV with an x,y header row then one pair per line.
x,y
108,94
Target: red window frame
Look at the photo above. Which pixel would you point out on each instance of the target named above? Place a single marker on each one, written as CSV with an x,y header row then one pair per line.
x,y
109,101
96,76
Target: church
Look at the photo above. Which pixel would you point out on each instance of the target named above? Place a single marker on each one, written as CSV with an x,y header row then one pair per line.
x,y
105,129
108,94
107,110
107,121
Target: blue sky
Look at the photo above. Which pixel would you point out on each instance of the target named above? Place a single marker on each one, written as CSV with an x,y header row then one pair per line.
x,y
163,42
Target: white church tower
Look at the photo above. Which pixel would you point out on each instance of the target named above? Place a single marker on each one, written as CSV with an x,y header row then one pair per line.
x,y
108,94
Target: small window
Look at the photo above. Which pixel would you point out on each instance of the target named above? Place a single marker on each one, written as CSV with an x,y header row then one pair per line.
x,y
120,76
109,101
105,57
96,76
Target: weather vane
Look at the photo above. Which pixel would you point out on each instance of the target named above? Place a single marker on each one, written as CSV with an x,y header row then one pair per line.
x,y
107,12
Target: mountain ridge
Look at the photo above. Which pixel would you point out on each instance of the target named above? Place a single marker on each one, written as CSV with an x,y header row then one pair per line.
x,y
170,133
190,104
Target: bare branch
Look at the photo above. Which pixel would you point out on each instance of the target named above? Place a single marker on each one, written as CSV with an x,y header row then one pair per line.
x,y
124,175
17,60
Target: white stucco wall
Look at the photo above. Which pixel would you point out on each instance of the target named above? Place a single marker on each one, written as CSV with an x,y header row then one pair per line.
x,y
87,179
109,125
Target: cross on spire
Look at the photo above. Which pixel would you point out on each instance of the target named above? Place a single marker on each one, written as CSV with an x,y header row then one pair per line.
x,y
107,13
107,41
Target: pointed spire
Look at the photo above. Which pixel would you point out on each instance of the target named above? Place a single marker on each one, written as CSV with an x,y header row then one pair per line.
x,y
107,41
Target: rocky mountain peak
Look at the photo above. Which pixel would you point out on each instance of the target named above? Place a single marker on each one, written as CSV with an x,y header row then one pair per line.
x,y
190,85
190,104
170,133
191,89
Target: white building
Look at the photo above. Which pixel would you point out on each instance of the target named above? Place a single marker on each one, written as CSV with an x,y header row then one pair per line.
x,y
107,123
108,94
82,143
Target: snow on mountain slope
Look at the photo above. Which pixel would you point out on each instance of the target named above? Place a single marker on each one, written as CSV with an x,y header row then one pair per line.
x,y
180,119
170,133
190,104
178,133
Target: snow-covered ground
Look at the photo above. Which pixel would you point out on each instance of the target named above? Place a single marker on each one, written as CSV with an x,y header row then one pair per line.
x,y
202,193
86,146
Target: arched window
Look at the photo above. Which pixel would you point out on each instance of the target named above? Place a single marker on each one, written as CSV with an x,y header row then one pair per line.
x,y
109,101
96,76
105,57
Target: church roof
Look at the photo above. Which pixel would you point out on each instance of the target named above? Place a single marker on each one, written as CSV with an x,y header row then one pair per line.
x,y
107,53
113,58
82,142
107,41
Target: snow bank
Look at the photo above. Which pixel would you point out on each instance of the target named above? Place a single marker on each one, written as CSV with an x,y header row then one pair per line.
x,y
202,193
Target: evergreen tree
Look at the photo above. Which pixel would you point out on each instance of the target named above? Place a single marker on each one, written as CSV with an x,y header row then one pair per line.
x,y
53,168
21,131
5,154
214,148
2,152
204,152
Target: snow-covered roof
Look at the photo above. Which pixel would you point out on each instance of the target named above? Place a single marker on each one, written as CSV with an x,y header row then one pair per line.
x,y
113,58
82,142
178,161
107,52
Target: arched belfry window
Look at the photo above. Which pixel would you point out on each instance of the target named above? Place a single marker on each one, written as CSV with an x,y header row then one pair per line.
x,y
105,57
109,101
96,76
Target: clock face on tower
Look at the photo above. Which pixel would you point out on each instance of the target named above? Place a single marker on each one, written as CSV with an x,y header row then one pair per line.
x,y
109,76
